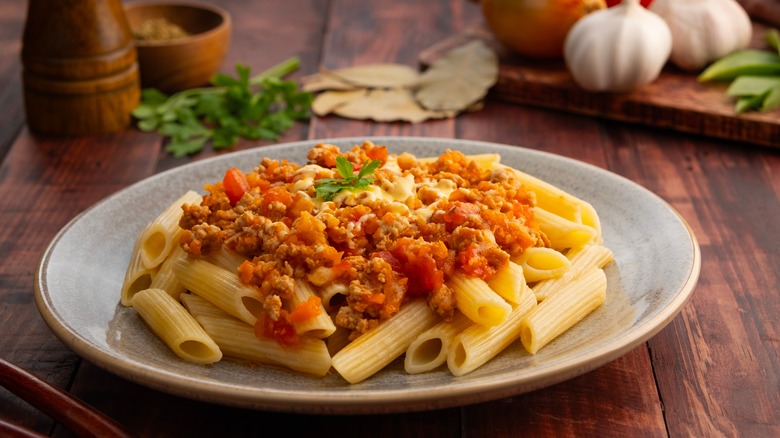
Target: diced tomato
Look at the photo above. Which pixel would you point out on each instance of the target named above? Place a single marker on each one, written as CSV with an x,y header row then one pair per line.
x,y
245,271
423,275
377,153
275,194
280,330
459,212
473,263
306,310
390,259
235,184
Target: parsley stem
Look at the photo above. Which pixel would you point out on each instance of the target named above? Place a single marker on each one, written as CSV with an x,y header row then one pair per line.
x,y
278,71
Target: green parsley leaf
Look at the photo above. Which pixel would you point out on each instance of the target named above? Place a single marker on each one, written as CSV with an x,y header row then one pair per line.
x,y
263,106
328,188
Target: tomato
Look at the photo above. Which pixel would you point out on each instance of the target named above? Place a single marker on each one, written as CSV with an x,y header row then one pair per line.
x,y
535,28
281,330
235,184
644,3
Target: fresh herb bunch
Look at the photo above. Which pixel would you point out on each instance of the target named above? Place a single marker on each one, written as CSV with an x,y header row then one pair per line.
x,y
327,188
259,107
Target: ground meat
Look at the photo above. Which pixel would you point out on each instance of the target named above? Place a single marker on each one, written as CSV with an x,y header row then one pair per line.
x,y
397,240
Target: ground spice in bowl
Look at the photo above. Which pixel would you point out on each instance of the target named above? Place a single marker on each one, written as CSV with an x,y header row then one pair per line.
x,y
158,29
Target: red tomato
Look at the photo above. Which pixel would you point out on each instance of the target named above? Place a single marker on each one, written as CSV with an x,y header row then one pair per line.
x,y
235,184
281,330
644,3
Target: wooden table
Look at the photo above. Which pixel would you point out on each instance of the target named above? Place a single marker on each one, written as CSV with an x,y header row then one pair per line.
x,y
712,371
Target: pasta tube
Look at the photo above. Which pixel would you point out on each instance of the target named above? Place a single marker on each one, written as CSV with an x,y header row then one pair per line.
x,y
221,287
321,326
564,233
137,276
561,311
376,348
477,300
582,259
238,340
559,202
429,350
175,326
478,344
165,278
509,282
539,263
159,237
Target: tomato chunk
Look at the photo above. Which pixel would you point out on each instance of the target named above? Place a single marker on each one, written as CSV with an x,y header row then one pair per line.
x,y
235,184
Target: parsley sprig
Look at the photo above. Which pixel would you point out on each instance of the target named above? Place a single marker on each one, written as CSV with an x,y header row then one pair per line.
x,y
327,188
259,107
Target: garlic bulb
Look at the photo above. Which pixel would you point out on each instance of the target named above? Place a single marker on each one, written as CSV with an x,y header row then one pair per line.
x,y
617,49
704,30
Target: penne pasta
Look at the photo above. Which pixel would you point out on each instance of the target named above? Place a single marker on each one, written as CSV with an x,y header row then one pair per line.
x,y
165,278
356,258
478,344
475,299
238,340
137,276
375,349
321,326
221,287
429,350
559,202
159,237
562,310
226,258
540,263
564,233
582,259
509,282
175,326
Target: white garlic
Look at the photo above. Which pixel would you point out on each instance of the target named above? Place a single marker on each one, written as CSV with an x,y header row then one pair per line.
x,y
617,49
704,30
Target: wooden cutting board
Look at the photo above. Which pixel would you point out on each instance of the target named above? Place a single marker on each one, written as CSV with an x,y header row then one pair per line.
x,y
676,100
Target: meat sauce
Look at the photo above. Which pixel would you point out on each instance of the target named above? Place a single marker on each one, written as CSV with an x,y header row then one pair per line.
x,y
396,240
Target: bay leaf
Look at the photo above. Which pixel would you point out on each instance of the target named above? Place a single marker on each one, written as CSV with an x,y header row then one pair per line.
x,y
324,103
320,82
458,79
388,106
376,75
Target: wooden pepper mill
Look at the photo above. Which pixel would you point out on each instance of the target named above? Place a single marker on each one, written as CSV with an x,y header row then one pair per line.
x,y
80,72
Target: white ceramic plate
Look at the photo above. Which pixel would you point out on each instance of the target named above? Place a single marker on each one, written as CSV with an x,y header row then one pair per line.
x,y
657,263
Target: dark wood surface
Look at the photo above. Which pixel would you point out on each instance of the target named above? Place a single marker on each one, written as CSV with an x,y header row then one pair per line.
x,y
711,372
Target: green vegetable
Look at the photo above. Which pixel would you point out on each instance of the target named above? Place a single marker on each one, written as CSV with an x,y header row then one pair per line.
x,y
772,38
755,75
263,106
742,62
752,85
327,188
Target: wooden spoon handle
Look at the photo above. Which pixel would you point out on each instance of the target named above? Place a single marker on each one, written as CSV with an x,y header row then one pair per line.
x,y
72,413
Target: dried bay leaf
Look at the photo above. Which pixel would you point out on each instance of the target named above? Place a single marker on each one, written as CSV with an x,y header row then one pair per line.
x,y
459,79
388,106
324,103
376,75
320,82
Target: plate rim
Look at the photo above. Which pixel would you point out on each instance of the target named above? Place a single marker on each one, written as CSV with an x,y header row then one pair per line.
x,y
354,402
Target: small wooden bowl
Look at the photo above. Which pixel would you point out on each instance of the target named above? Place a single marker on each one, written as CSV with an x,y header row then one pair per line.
x,y
172,65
